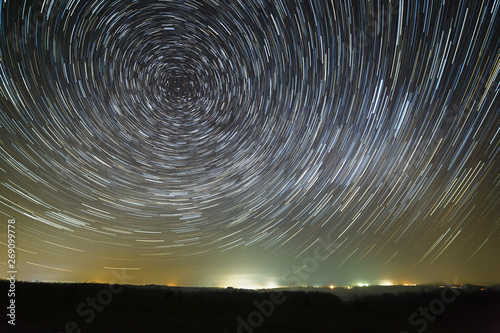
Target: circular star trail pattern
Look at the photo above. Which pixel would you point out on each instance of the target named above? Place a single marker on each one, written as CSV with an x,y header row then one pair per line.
x,y
200,127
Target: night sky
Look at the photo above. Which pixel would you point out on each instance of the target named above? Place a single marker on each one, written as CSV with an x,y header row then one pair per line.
x,y
251,143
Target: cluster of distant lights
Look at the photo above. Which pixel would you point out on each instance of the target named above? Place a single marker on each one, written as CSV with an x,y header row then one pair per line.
x,y
383,284
271,285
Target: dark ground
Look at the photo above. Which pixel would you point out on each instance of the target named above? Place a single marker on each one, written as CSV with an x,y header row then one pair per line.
x,y
64,307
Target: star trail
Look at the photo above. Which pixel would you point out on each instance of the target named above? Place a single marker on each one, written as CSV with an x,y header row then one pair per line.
x,y
218,142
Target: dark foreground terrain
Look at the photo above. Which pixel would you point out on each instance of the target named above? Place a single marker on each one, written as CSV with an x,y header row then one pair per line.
x,y
66,307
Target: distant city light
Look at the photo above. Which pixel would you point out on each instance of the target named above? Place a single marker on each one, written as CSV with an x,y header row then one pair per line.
x,y
362,284
332,286
248,281
271,285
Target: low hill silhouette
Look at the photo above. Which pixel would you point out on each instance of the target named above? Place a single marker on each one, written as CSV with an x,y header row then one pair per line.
x,y
92,307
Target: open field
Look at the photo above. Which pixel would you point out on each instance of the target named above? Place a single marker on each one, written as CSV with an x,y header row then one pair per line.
x,y
71,307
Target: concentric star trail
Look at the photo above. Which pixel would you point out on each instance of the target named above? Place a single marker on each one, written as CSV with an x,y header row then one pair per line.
x,y
187,136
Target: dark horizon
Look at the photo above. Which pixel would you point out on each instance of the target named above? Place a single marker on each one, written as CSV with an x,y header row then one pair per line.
x,y
57,307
